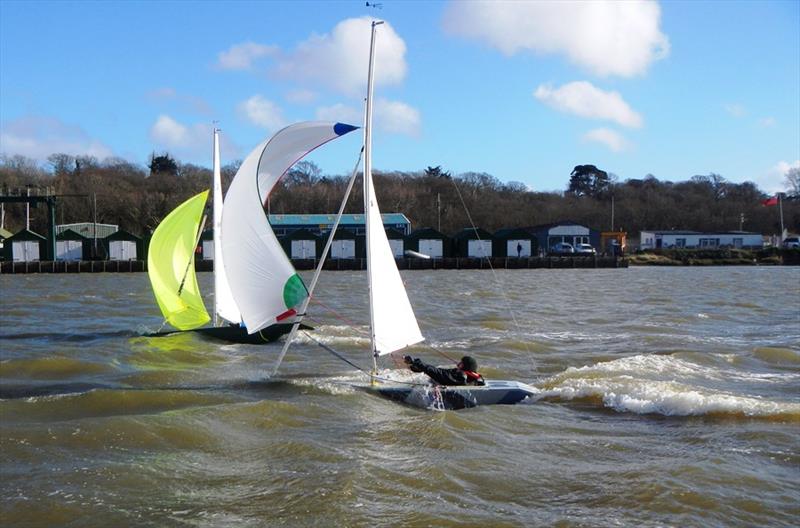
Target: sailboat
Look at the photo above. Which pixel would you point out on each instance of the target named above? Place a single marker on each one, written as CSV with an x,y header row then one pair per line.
x,y
393,325
172,250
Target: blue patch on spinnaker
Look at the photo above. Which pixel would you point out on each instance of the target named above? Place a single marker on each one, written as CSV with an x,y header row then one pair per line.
x,y
343,128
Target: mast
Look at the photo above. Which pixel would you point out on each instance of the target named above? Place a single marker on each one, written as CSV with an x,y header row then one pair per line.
x,y
367,182
216,186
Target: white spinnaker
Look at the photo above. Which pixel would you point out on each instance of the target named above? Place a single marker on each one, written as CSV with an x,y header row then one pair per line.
x,y
224,305
262,279
394,324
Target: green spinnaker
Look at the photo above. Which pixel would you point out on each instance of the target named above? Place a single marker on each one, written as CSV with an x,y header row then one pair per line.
x,y
170,262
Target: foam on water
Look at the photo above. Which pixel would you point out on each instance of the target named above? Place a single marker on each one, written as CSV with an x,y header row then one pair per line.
x,y
334,335
646,384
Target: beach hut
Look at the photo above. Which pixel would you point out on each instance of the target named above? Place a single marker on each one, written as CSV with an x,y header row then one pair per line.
x,y
473,243
430,242
301,244
4,234
25,246
123,246
515,242
343,245
71,246
396,241
207,244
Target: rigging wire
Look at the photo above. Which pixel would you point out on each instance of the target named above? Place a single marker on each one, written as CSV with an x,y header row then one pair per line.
x,y
310,289
395,357
497,280
357,367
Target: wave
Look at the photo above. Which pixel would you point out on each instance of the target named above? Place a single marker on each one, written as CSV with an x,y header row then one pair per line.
x,y
50,368
336,335
648,384
777,355
21,391
101,402
72,337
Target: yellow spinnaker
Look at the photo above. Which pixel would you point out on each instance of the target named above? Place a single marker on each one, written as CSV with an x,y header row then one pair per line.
x,y
170,262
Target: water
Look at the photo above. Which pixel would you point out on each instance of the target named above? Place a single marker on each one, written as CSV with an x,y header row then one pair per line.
x,y
669,397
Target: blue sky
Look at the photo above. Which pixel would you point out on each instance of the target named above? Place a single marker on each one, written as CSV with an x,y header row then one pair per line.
x,y
523,90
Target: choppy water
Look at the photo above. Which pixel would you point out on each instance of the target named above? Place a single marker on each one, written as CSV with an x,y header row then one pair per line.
x,y
669,397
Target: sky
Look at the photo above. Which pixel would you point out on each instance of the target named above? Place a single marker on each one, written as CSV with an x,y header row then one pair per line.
x,y
522,90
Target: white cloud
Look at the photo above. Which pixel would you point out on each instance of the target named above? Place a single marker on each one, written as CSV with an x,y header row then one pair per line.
x,y
338,60
782,167
261,112
735,109
242,56
391,117
607,137
583,99
38,137
190,141
767,122
169,133
774,179
397,117
605,37
301,96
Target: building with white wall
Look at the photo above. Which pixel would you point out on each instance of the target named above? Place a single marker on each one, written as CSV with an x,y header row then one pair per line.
x,y
698,240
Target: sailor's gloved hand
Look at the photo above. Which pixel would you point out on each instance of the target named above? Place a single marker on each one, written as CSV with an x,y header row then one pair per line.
x,y
415,365
408,359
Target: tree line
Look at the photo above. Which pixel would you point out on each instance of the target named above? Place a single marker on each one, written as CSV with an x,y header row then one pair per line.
x,y
138,197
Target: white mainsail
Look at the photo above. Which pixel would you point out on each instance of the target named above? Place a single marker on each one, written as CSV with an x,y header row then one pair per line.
x,y
224,305
262,279
394,325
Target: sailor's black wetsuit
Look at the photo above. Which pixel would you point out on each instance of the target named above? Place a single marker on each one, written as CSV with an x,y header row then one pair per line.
x,y
442,376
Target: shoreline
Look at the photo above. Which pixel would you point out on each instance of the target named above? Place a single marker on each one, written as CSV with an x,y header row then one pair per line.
x,y
357,264
769,257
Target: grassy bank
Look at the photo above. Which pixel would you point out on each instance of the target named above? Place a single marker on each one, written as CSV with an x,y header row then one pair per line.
x,y
716,257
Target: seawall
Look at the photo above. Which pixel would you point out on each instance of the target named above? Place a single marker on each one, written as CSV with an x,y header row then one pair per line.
x,y
131,266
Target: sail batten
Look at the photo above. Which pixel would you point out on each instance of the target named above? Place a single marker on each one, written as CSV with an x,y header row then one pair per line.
x,y
170,265
262,279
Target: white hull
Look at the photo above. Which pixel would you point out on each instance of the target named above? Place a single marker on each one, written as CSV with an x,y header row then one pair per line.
x,y
495,392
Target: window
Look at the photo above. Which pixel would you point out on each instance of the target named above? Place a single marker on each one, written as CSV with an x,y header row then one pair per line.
x,y
581,240
709,242
738,242
680,242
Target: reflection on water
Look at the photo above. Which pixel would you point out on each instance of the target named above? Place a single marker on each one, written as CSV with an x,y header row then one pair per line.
x,y
667,396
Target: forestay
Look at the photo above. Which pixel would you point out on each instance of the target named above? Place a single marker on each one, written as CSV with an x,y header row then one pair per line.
x,y
262,279
170,265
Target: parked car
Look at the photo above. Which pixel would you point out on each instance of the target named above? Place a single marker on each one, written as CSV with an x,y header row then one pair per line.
x,y
585,249
562,248
791,243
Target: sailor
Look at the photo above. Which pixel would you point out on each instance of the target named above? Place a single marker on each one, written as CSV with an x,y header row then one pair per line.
x,y
466,373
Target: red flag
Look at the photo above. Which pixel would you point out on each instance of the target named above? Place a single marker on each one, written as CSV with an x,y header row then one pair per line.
x,y
770,201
